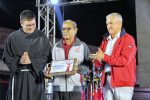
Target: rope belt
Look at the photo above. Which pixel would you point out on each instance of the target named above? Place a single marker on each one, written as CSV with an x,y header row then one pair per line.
x,y
25,70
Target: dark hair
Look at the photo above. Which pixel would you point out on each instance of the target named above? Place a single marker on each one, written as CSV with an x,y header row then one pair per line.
x,y
27,15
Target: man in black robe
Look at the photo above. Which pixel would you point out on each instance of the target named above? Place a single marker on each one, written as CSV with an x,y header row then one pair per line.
x,y
26,53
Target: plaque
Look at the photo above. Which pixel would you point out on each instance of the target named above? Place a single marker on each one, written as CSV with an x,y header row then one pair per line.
x,y
61,67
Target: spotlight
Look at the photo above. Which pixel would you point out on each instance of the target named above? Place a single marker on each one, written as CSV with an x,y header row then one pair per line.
x,y
54,1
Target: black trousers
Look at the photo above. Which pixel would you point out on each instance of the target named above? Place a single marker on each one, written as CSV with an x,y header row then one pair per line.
x,y
73,95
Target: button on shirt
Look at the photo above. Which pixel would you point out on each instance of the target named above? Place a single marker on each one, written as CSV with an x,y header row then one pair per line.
x,y
109,49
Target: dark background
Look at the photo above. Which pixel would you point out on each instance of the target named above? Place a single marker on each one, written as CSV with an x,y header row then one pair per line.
x,y
89,17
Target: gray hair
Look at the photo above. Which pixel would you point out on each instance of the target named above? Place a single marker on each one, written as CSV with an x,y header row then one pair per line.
x,y
117,16
71,21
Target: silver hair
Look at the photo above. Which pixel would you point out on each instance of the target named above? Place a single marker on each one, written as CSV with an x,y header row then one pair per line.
x,y
71,21
117,16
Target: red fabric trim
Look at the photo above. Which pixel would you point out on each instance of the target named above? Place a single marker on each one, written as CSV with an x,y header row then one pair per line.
x,y
66,48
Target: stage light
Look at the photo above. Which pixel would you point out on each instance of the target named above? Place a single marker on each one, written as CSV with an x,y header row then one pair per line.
x,y
54,1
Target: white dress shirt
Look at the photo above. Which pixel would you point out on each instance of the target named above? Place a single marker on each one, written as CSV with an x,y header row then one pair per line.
x,y
109,49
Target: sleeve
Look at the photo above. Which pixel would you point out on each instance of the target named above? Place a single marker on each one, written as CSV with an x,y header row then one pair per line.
x,y
42,59
9,57
87,63
47,51
53,52
86,52
97,63
124,54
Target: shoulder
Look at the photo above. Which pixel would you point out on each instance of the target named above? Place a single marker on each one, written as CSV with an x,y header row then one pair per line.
x,y
85,45
40,33
82,43
79,42
13,34
58,44
128,37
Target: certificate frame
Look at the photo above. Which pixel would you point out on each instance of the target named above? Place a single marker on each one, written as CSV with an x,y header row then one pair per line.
x,y
62,67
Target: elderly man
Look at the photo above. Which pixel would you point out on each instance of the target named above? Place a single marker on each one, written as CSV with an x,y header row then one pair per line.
x,y
117,55
68,87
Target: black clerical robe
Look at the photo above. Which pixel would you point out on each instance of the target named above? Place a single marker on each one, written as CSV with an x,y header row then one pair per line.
x,y
26,85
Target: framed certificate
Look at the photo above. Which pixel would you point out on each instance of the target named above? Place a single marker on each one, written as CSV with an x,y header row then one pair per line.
x,y
62,67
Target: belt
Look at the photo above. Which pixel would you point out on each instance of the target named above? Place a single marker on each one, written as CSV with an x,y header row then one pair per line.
x,y
108,73
25,70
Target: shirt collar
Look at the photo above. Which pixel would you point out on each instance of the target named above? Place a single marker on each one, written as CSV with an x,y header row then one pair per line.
x,y
64,42
116,36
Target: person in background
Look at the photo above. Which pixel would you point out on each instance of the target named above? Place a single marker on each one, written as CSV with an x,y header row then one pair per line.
x,y
68,87
117,56
26,53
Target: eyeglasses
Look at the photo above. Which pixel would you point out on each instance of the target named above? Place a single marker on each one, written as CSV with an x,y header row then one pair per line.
x,y
30,25
68,29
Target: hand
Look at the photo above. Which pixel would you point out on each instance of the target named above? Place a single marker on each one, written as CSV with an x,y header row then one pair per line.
x,y
75,68
92,56
46,71
74,71
98,56
25,59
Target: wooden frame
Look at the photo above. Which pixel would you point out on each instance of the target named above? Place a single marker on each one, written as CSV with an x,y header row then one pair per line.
x,y
60,67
